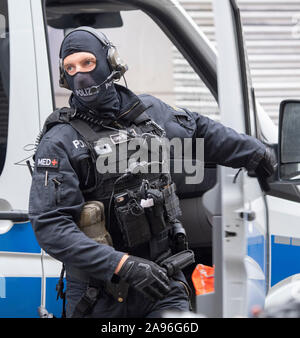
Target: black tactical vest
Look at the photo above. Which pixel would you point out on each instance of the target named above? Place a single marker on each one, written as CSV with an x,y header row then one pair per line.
x,y
140,205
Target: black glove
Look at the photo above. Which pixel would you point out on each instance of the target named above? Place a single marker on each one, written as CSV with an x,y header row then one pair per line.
x,y
266,167
146,277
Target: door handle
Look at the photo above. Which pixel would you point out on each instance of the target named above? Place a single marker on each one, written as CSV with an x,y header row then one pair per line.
x,y
14,216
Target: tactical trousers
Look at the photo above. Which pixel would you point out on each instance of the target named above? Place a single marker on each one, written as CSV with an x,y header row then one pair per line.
x,y
135,306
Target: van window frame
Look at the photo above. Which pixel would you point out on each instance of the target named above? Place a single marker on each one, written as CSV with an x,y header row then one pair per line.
x,y
247,85
5,96
48,53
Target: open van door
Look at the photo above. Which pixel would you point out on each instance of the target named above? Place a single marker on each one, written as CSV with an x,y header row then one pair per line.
x,y
25,98
243,203
20,267
261,226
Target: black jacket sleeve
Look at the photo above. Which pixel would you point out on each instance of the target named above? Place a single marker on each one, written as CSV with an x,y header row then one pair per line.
x,y
224,146
54,207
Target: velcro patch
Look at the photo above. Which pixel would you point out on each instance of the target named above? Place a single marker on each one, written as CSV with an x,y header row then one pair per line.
x,y
47,163
119,138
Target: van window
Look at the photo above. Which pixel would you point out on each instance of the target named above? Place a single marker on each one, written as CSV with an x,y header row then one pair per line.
x,y
4,80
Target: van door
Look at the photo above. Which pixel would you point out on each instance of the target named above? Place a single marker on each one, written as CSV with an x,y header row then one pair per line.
x,y
50,268
24,91
244,212
19,252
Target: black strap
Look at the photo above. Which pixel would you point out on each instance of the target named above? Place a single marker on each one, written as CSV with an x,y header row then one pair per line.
x,y
84,130
89,298
60,291
66,115
142,118
135,115
86,302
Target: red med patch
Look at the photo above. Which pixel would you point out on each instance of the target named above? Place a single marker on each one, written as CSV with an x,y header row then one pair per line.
x,y
47,163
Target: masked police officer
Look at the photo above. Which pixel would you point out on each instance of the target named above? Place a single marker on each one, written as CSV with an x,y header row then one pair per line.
x,y
115,248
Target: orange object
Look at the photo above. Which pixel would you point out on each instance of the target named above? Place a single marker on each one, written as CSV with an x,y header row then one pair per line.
x,y
203,279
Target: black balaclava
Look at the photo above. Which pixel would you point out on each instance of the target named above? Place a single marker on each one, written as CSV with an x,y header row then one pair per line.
x,y
88,96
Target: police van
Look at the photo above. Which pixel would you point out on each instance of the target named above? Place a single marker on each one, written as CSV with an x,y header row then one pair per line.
x,y
248,230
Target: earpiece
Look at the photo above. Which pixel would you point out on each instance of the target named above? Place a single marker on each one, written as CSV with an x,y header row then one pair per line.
x,y
115,62
62,79
117,65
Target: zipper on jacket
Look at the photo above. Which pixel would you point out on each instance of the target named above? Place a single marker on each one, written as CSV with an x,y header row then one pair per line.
x,y
127,111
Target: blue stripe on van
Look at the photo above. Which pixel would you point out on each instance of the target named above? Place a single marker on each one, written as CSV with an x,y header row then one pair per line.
x,y
20,238
256,244
21,297
256,250
284,259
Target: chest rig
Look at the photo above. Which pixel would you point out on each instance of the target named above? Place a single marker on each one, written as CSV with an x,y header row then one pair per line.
x,y
132,181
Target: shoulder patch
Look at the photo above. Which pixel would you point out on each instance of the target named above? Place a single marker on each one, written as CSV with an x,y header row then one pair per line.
x,y
48,162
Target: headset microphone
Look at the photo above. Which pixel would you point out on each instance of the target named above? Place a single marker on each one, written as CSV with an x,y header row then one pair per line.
x,y
95,89
115,75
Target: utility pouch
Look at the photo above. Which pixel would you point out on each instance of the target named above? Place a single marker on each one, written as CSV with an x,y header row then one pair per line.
x,y
92,222
155,213
159,245
171,202
132,221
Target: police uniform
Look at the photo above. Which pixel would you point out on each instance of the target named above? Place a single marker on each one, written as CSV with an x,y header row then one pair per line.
x,y
65,177
141,208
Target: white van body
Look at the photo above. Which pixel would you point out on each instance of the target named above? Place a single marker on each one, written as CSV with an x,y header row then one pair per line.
x,y
248,253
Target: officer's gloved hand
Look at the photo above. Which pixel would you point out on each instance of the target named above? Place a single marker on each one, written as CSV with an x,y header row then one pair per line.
x,y
267,165
146,277
265,168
